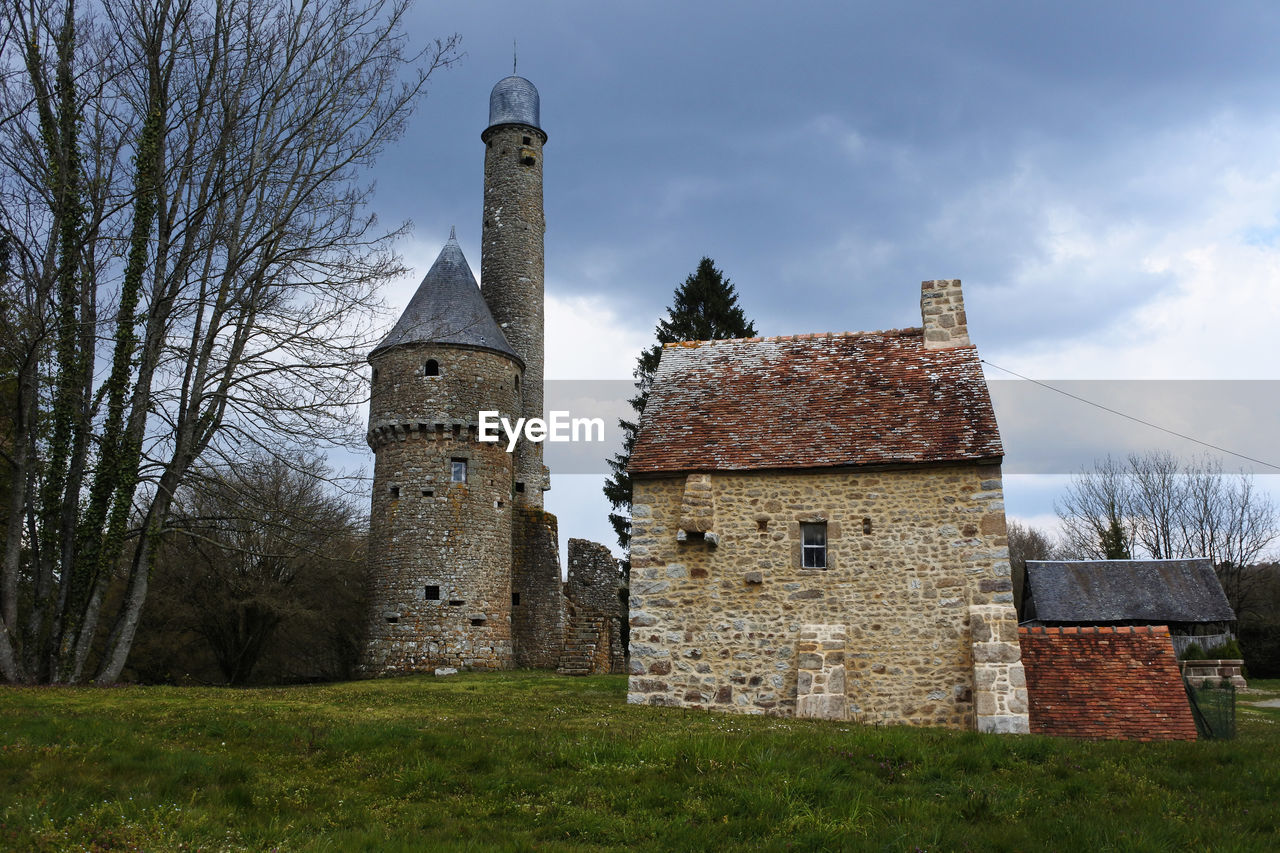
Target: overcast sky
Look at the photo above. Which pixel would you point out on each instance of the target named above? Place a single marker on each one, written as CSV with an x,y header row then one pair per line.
x,y
1104,178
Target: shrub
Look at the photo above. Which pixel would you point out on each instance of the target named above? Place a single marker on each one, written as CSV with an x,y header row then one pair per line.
x,y
1193,652
1230,650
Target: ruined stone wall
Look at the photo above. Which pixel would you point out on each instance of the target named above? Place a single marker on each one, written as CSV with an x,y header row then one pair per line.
x,y
440,552
537,603
593,636
511,272
909,552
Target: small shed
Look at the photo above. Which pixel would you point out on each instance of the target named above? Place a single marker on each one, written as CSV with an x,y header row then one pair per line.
x,y
1182,594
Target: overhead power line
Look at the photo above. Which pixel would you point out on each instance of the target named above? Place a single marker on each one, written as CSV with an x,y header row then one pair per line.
x,y
1134,418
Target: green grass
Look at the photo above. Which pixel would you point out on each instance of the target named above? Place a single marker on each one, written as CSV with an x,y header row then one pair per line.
x,y
525,761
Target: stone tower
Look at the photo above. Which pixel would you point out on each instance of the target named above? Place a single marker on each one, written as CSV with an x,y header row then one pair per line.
x,y
511,253
441,518
464,566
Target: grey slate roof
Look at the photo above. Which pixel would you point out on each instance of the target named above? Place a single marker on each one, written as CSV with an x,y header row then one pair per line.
x,y
447,308
514,100
1102,591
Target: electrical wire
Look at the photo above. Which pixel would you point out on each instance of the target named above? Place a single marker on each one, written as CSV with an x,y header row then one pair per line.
x,y
1133,418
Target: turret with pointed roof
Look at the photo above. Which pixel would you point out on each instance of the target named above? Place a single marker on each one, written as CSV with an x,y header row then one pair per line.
x,y
447,309
441,521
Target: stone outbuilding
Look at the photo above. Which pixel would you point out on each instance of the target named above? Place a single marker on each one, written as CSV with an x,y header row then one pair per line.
x,y
818,530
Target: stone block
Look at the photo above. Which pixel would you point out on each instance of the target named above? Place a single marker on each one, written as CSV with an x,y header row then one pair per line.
x,y
809,660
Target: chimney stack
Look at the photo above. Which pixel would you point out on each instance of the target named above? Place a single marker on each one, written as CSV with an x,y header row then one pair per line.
x,y
942,310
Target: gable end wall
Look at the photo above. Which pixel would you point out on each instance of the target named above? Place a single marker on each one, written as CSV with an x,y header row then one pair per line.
x,y
720,626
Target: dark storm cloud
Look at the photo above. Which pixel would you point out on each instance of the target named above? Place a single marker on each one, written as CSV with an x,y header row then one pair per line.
x,y
830,156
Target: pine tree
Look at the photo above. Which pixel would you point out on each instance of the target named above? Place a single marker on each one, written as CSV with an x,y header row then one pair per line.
x,y
705,308
1115,544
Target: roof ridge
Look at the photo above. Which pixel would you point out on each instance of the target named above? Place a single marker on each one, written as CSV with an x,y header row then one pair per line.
x,y
907,332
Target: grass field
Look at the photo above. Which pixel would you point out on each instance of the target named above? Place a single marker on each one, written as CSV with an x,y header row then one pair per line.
x,y
524,761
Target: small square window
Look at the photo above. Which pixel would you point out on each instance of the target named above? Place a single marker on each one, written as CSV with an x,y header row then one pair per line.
x,y
458,471
432,593
813,545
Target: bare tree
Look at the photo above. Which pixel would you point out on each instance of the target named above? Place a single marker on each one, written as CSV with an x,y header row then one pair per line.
x,y
1026,543
191,270
1094,512
1168,508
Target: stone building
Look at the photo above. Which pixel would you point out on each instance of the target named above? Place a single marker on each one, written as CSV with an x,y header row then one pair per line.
x,y
464,564
818,530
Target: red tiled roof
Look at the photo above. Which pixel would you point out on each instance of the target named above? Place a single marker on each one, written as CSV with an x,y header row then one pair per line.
x,y
815,401
1120,683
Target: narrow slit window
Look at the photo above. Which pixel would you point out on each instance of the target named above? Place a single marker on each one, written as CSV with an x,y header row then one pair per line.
x,y
515,598
395,493
458,471
813,545
866,527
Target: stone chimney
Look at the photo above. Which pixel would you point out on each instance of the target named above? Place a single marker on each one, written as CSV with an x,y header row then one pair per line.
x,y
942,309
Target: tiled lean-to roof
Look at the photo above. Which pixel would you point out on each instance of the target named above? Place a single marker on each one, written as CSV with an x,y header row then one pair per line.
x,y
1120,683
815,401
447,308
1097,592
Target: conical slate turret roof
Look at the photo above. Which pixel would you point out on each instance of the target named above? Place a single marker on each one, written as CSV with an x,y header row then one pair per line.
x,y
448,309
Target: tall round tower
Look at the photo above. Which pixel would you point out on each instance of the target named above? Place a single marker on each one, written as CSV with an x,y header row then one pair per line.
x,y
511,254
440,560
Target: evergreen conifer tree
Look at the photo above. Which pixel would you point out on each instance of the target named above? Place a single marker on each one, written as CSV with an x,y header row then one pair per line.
x,y
705,308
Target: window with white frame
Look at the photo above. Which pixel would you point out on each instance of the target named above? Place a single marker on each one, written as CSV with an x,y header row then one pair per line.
x,y
458,471
813,545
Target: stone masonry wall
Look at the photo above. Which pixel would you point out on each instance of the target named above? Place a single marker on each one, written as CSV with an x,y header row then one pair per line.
x,y
909,552
538,614
511,271
440,552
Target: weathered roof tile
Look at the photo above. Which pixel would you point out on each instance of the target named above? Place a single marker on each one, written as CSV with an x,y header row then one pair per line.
x,y
815,401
